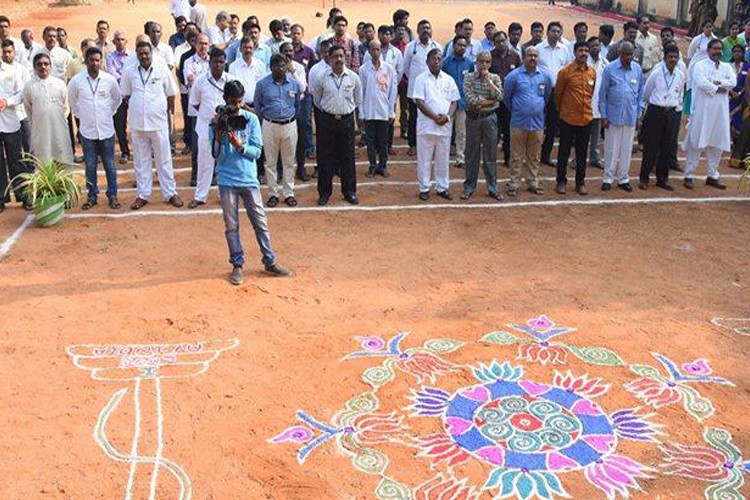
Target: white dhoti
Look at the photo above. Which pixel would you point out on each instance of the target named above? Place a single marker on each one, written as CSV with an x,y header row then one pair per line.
x,y
206,162
618,151
693,157
280,139
431,149
148,144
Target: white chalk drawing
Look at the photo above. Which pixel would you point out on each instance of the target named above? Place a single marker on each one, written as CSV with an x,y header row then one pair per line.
x,y
145,366
740,326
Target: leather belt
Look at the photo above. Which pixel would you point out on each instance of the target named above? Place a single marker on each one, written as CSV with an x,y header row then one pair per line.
x,y
283,122
476,116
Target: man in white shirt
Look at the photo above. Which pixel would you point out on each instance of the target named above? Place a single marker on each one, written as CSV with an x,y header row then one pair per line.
x,y
598,62
30,46
60,57
94,98
9,58
198,15
219,33
20,50
663,94
553,56
708,129
11,137
649,44
276,28
150,90
415,63
581,32
378,111
436,96
196,65
206,94
248,69
394,58
163,52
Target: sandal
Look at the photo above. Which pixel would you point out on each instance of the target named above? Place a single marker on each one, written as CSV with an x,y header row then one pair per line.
x,y
272,201
114,203
466,196
138,204
535,190
512,192
89,204
290,201
496,195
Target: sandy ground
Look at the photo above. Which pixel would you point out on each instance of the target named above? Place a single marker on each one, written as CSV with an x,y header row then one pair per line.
x,y
634,279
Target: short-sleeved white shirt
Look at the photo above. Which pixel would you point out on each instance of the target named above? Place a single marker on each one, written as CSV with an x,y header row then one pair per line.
x,y
148,91
437,93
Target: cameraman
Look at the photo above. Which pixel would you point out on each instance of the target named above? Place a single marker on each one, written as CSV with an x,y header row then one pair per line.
x,y
236,148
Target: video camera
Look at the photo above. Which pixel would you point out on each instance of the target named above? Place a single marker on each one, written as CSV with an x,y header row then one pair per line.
x,y
228,119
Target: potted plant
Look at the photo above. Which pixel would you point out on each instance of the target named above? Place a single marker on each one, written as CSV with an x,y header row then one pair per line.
x,y
51,188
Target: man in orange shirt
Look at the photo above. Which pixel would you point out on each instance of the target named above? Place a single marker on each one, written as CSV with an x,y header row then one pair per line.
x,y
573,94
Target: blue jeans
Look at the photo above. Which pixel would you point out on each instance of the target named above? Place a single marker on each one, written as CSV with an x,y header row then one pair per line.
x,y
253,201
92,150
305,117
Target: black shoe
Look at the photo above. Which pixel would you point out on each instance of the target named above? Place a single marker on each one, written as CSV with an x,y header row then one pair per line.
x,y
322,201
303,176
27,205
677,169
689,183
272,201
352,198
549,163
606,186
643,185
278,271
424,196
2,207
596,164
626,187
193,183
715,183
665,185
446,195
370,173
383,173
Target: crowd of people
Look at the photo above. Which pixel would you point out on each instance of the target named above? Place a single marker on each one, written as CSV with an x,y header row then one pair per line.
x,y
314,95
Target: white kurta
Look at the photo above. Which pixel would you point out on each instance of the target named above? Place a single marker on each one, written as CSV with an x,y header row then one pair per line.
x,y
709,120
46,103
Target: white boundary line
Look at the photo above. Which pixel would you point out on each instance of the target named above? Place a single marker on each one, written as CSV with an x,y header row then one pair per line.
x,y
159,439
136,437
434,206
13,238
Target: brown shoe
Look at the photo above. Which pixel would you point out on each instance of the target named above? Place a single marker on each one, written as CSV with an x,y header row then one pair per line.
x,y
581,190
138,204
561,188
195,204
175,201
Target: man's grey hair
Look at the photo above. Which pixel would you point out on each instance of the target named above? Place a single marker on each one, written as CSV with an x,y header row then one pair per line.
x,y
484,52
626,45
222,16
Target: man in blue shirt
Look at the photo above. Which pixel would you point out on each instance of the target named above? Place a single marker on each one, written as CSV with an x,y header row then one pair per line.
x,y
620,105
457,66
235,152
277,99
526,92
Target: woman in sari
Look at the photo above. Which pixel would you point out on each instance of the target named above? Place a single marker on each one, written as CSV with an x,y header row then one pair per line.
x,y
739,110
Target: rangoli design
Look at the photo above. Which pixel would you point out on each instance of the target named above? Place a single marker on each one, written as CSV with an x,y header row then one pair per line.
x,y
145,366
740,326
529,434
542,349
662,388
719,463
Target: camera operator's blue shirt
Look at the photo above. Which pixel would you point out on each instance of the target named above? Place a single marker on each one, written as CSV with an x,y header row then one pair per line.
x,y
277,101
235,168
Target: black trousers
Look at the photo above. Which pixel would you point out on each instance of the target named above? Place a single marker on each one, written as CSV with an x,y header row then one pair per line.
x,y
412,123
660,128
335,145
71,132
377,133
121,128
403,106
299,153
551,126
578,137
11,164
26,134
503,130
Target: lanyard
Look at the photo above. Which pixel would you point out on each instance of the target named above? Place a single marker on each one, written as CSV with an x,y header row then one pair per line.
x,y
338,80
215,85
148,75
669,82
93,88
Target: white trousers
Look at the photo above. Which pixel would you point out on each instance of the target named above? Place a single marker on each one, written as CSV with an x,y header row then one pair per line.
x,y
693,156
618,151
280,139
152,144
206,163
433,148
459,122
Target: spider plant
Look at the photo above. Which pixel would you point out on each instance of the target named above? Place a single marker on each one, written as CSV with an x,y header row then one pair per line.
x,y
49,180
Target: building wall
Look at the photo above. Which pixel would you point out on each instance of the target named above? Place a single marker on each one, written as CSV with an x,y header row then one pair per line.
x,y
673,10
